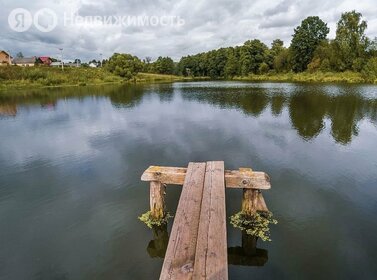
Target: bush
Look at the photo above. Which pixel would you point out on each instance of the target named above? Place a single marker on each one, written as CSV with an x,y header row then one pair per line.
x,y
263,68
314,65
124,65
369,71
357,64
258,225
150,222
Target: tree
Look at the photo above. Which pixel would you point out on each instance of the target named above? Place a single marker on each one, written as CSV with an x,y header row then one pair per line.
x,y
282,61
19,55
277,47
305,40
257,52
231,66
351,39
124,65
164,65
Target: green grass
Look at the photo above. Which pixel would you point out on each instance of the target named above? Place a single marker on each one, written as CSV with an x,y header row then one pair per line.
x,y
321,77
24,77
14,77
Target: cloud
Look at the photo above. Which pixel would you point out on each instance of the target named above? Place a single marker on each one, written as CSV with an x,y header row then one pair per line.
x,y
208,24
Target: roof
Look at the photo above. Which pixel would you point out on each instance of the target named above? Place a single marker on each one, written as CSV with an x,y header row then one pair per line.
x,y
1,51
44,58
24,60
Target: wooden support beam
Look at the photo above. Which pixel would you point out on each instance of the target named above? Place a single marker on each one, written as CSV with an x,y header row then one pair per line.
x,y
180,254
157,200
211,248
243,178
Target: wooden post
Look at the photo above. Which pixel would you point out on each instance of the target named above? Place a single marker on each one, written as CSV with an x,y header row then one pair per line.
x,y
249,201
157,200
249,196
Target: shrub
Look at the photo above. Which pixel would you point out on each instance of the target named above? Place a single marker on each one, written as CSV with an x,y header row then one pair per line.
x,y
147,219
263,68
369,71
256,225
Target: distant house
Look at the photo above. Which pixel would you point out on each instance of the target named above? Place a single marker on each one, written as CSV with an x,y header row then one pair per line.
x,y
5,58
72,64
45,60
56,64
93,65
25,61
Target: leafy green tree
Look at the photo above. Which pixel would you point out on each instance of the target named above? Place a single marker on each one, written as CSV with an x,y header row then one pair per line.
x,y
351,39
277,47
257,54
164,65
231,66
124,65
305,40
263,68
282,62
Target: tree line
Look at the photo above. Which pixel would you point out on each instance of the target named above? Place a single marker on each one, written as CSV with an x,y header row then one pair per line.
x,y
310,50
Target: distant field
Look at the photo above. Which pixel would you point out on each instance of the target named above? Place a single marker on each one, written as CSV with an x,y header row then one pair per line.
x,y
21,77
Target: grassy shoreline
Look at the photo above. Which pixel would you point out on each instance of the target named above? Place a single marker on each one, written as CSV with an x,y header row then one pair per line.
x,y
306,77
16,78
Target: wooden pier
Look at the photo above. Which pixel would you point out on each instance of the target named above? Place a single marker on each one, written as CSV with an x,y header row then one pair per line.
x,y
197,247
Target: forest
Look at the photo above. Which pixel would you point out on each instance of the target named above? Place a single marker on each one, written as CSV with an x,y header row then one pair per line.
x,y
310,51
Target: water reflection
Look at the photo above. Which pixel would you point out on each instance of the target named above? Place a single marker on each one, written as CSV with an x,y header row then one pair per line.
x,y
246,255
158,245
308,106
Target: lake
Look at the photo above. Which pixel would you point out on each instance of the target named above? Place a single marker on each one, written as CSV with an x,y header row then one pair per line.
x,y
71,161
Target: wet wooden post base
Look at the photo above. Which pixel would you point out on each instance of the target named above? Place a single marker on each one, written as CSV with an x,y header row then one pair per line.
x,y
252,201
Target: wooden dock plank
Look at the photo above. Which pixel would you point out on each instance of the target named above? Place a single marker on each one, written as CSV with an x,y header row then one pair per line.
x,y
180,254
243,178
211,248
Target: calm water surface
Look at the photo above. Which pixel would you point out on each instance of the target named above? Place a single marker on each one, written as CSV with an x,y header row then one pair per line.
x,y
71,160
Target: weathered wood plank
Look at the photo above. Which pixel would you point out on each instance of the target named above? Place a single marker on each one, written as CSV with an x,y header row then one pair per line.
x,y
211,247
180,254
157,199
243,178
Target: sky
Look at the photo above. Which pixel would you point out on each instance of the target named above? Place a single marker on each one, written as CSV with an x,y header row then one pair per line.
x,y
86,29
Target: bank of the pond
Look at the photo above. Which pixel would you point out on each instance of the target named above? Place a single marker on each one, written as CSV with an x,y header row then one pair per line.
x,y
40,77
317,77
14,78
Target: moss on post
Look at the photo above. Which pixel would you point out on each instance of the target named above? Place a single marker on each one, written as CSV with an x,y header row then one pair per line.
x,y
254,219
156,216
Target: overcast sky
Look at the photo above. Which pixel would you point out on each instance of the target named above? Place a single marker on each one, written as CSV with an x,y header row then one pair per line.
x,y
208,24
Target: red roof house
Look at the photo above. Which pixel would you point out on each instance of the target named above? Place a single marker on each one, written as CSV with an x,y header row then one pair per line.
x,y
45,60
